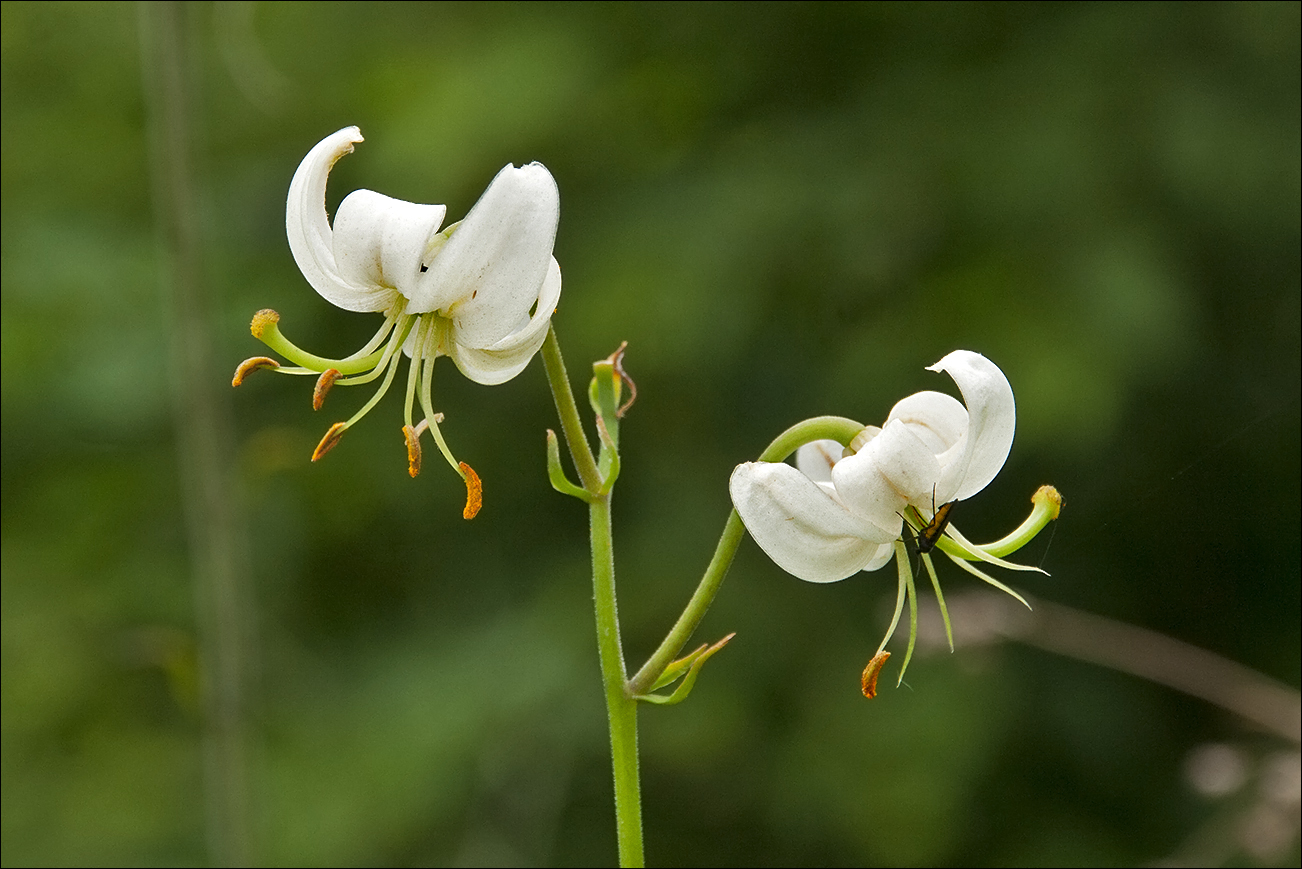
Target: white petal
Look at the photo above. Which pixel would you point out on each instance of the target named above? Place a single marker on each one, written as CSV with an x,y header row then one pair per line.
x,y
488,276
939,420
380,241
992,419
815,459
892,470
500,362
799,525
308,228
880,559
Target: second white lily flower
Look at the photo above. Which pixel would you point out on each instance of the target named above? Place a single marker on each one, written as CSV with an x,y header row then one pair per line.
x,y
840,511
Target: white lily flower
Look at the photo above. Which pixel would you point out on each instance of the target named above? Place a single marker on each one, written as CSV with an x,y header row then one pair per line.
x,y
481,291
846,509
832,516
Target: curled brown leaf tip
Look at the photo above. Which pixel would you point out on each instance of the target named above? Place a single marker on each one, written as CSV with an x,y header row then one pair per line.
x,y
617,359
250,365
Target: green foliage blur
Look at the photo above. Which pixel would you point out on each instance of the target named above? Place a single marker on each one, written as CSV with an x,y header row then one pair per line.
x,y
786,210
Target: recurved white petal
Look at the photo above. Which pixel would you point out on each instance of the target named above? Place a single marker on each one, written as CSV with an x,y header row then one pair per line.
x,y
992,419
502,361
799,525
309,233
380,241
894,469
489,274
815,459
938,420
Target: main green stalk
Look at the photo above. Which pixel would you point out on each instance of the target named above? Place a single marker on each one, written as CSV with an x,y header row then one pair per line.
x,y
621,708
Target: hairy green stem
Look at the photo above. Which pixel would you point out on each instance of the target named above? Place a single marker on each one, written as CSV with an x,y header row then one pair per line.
x,y
621,708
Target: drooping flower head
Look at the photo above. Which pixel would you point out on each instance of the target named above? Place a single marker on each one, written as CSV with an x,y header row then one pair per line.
x,y
842,510
481,291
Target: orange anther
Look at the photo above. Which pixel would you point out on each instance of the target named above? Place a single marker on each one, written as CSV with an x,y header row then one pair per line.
x,y
328,442
250,365
474,492
323,384
413,449
871,672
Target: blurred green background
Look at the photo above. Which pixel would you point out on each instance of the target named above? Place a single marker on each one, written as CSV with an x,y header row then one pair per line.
x,y
787,210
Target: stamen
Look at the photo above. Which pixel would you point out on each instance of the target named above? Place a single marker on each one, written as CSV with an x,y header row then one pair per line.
x,y
905,570
871,672
331,438
391,317
390,369
413,449
474,491
427,405
323,384
390,350
413,373
250,365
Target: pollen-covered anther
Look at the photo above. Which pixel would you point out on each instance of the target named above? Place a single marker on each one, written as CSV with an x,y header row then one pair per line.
x,y
323,384
331,438
262,321
412,435
474,491
872,671
250,365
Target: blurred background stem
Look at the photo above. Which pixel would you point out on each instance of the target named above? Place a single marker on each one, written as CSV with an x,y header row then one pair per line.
x,y
201,424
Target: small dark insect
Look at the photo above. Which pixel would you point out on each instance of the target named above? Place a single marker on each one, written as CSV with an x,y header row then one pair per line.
x,y
928,537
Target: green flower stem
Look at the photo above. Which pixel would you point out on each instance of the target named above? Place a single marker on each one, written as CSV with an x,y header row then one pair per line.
x,y
571,425
833,427
621,708
836,428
